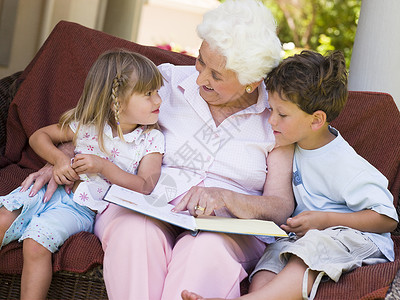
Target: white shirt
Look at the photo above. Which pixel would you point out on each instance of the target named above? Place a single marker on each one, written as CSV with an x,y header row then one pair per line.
x,y
335,178
125,154
231,156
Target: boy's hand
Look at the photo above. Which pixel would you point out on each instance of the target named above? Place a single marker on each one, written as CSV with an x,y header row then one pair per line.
x,y
88,163
305,221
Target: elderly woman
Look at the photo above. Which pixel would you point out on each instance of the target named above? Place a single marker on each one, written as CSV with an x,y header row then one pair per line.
x,y
218,160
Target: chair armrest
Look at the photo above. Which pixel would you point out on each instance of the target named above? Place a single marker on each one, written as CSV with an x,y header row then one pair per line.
x,y
8,87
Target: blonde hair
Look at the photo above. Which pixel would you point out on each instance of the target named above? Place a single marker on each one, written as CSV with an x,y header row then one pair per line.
x,y
112,79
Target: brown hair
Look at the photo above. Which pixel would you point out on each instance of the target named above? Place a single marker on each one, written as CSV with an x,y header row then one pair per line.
x,y
312,81
112,79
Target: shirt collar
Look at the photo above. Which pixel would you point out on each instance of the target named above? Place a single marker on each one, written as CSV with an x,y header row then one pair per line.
x,y
136,135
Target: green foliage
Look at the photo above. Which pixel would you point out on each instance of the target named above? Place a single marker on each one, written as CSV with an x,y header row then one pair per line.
x,y
321,25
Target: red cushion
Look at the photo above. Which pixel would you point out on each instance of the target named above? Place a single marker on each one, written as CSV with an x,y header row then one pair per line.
x,y
370,122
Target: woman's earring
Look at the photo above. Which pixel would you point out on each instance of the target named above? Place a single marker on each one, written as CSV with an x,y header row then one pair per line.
x,y
249,89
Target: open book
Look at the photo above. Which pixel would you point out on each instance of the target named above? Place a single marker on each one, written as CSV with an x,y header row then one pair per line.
x,y
145,204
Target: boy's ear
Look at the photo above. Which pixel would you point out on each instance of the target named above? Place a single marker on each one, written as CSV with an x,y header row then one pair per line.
x,y
319,119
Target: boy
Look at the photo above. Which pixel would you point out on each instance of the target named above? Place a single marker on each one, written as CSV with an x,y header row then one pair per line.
x,y
344,210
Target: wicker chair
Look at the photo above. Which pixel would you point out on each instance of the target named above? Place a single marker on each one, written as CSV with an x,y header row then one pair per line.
x,y
52,83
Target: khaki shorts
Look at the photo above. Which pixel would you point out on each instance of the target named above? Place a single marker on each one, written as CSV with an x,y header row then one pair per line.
x,y
334,250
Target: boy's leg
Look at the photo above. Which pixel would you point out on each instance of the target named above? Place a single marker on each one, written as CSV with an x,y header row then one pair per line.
x,y
37,270
285,285
6,219
260,279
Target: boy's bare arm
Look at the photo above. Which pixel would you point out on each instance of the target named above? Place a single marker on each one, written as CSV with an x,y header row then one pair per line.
x,y
365,220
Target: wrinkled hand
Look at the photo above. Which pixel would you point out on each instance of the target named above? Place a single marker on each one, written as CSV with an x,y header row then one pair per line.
x,y
201,201
39,179
305,221
87,163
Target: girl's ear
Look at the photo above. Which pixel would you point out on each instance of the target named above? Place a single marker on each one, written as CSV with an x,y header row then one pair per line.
x,y
319,119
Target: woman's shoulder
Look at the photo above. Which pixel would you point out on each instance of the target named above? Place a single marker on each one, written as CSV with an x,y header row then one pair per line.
x,y
169,70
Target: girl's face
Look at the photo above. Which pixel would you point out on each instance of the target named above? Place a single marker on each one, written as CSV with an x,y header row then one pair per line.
x,y
140,109
218,85
289,123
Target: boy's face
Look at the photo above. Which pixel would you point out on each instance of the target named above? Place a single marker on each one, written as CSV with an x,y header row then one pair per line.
x,y
289,123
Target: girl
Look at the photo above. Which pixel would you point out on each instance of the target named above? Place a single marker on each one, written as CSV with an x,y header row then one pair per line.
x,y
113,128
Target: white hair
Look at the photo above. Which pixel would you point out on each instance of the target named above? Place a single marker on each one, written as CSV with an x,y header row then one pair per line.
x,y
244,32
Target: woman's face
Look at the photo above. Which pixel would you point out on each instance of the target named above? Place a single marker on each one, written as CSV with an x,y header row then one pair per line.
x,y
218,86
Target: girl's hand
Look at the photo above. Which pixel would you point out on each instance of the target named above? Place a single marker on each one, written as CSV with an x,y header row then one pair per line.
x,y
201,201
305,221
63,173
88,163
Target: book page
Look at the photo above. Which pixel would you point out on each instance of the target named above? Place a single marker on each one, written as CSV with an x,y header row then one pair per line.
x,y
240,226
145,204
141,203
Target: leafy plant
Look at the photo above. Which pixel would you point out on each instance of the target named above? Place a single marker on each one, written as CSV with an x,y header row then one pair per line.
x,y
320,25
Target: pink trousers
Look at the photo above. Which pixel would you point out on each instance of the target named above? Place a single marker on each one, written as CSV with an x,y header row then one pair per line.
x,y
149,259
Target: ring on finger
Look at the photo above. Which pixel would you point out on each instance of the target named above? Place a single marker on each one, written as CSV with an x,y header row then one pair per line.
x,y
198,207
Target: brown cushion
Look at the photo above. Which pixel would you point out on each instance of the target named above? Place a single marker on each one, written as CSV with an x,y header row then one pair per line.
x,y
80,253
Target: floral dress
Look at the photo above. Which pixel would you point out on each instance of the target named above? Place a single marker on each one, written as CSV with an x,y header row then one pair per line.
x,y
51,223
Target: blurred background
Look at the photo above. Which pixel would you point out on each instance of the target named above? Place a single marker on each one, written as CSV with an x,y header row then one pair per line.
x,y
320,25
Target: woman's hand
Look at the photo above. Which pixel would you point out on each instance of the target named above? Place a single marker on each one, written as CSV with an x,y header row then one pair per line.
x,y
305,221
88,163
201,201
45,176
39,179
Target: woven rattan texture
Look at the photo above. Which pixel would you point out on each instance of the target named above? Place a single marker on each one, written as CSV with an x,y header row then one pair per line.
x,y
65,285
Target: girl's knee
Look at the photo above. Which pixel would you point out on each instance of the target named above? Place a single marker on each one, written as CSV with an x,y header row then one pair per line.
x,y
32,250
